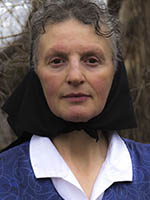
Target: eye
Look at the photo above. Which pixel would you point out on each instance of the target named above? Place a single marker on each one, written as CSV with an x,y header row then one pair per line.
x,y
92,61
56,62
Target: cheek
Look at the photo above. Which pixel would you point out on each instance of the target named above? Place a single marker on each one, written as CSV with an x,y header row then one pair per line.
x,y
49,85
102,87
50,89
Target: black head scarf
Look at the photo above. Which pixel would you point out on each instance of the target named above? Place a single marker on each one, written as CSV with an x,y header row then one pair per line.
x,y
28,111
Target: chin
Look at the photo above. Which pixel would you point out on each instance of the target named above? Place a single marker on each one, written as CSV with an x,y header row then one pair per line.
x,y
78,118
77,115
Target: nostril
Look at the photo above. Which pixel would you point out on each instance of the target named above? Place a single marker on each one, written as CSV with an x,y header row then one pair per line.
x,y
69,82
75,82
75,77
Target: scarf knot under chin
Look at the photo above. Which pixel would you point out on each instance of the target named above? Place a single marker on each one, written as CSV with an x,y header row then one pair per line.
x,y
89,129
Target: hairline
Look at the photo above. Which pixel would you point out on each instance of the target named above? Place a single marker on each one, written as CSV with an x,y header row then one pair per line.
x,y
37,41
40,25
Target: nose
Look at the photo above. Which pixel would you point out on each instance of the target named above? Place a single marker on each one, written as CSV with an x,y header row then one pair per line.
x,y
75,74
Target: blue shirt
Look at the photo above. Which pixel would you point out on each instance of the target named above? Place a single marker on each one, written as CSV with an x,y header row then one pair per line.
x,y
18,181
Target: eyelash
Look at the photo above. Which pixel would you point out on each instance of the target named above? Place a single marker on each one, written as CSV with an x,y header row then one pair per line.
x,y
57,62
96,60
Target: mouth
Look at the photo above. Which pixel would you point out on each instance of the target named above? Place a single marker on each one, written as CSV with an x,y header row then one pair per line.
x,y
77,97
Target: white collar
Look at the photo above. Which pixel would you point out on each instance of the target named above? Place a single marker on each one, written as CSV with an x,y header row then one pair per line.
x,y
48,163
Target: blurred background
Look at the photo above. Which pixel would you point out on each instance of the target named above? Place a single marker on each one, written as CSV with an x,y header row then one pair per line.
x,y
135,42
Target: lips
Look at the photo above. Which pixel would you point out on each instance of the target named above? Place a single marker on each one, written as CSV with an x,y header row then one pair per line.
x,y
77,97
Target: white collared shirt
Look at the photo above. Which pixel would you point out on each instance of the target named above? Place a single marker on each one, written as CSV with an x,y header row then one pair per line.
x,y
47,162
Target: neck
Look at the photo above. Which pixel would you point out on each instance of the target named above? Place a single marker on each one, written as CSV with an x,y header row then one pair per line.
x,y
83,155
79,144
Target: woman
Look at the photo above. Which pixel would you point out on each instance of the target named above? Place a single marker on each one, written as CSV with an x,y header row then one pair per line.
x,y
68,108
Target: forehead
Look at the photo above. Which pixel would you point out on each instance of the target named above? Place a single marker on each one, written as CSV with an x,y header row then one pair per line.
x,y
72,35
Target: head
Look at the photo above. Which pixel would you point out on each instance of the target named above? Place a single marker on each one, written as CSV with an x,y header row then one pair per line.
x,y
73,53
91,12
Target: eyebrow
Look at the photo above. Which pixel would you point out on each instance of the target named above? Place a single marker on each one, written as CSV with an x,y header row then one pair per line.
x,y
93,53
53,53
62,52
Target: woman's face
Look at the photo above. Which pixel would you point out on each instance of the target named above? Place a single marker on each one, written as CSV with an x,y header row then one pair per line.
x,y
75,69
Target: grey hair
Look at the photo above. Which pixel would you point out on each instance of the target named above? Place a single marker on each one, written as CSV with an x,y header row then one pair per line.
x,y
90,12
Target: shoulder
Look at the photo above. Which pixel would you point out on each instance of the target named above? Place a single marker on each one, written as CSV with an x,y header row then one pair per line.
x,y
137,147
15,152
138,188
140,156
14,158
13,168
17,179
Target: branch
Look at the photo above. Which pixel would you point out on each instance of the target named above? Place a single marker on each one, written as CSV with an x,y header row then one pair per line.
x,y
10,36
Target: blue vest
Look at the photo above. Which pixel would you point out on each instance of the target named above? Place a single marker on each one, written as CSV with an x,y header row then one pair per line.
x,y
17,180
